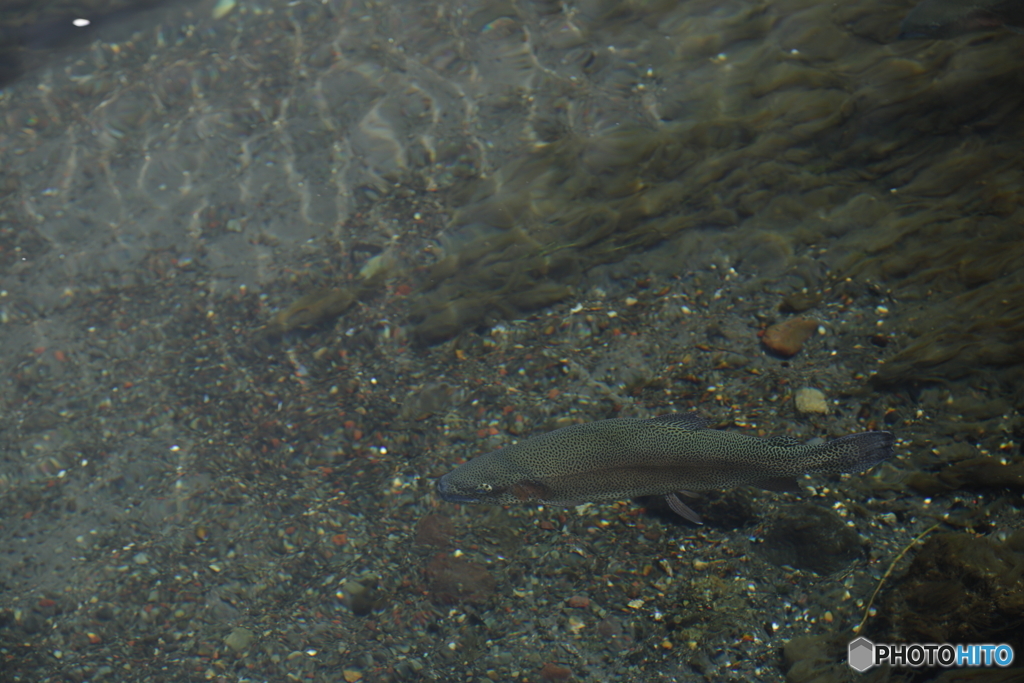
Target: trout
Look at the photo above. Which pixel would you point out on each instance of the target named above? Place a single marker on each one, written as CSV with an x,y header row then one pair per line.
x,y
663,456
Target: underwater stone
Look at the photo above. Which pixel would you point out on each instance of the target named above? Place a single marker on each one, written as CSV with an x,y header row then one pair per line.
x,y
787,338
810,401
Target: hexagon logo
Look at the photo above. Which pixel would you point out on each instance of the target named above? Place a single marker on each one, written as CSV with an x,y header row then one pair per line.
x,y
861,656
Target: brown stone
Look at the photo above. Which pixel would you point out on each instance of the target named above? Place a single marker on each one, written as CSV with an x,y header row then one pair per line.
x,y
579,601
787,337
555,672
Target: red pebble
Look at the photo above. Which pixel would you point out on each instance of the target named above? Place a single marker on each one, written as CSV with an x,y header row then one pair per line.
x,y
579,601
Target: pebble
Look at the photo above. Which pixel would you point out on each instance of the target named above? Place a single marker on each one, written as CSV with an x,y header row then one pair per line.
x,y
579,601
555,672
239,639
811,402
788,337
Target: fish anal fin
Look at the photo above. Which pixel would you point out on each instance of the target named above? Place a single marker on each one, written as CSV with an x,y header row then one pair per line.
x,y
682,420
778,484
681,508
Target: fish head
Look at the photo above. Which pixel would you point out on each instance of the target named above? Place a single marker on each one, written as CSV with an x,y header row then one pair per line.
x,y
489,479
453,490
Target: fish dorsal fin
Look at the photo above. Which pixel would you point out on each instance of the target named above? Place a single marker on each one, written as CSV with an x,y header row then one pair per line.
x,y
778,484
682,420
784,441
682,509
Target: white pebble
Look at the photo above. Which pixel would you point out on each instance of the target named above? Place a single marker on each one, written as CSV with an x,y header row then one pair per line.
x,y
811,401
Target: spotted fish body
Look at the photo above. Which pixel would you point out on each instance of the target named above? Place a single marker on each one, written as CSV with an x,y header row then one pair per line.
x,y
627,457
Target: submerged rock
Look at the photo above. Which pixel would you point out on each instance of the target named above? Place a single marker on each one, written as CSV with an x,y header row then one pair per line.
x,y
810,401
962,588
787,338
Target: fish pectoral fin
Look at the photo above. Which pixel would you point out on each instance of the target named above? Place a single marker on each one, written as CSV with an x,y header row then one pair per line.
x,y
779,484
681,508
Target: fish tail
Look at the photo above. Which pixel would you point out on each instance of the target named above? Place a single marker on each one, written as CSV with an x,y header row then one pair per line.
x,y
854,453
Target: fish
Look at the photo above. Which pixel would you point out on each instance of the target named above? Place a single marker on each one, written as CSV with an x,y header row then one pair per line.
x,y
951,18
671,455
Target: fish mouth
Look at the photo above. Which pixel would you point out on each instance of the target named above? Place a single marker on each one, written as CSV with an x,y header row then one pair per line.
x,y
444,490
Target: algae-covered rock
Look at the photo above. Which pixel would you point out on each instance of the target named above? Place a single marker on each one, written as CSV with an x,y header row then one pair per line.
x,y
961,588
